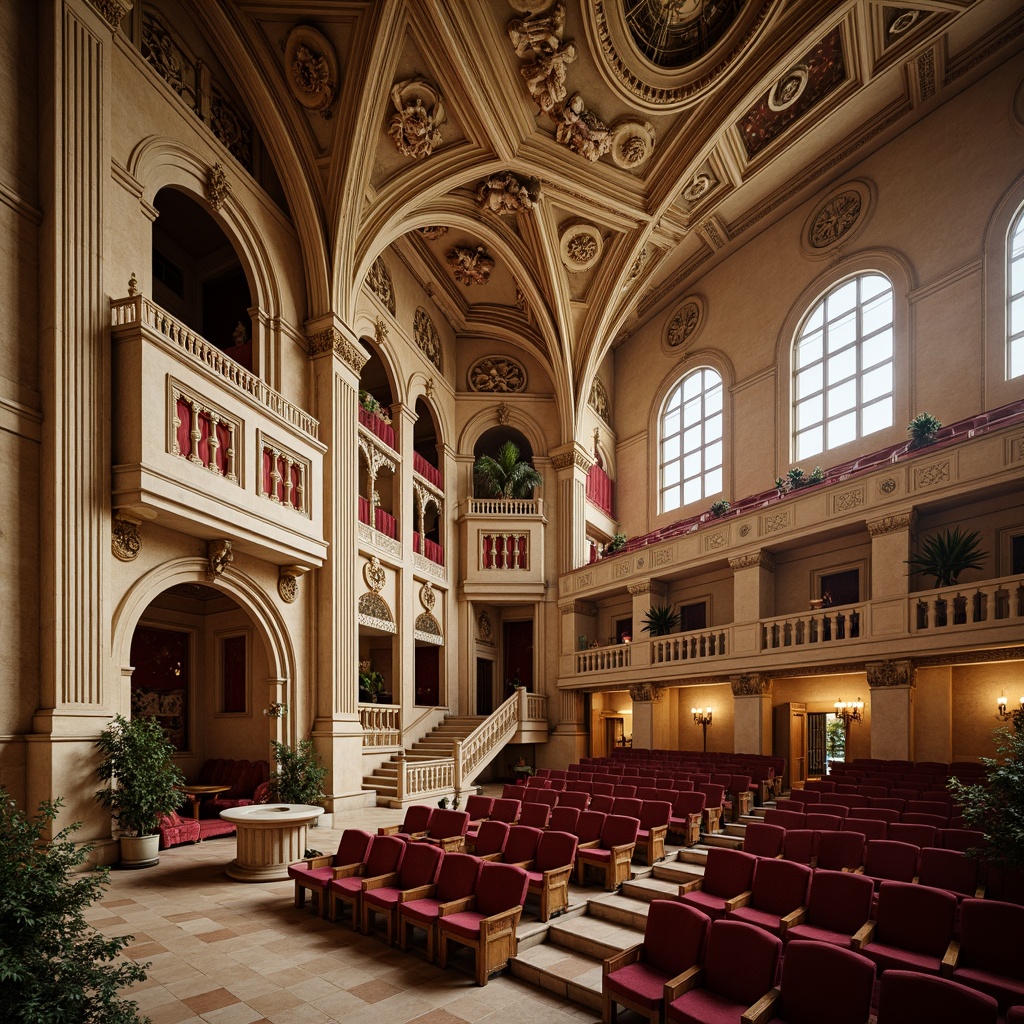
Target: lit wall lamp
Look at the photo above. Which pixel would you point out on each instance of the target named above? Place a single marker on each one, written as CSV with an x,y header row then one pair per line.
x,y
702,717
848,712
1002,712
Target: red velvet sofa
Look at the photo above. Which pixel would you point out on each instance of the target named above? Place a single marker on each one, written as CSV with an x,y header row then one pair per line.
x,y
242,776
175,830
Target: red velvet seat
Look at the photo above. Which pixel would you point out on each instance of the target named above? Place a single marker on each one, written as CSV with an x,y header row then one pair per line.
x,y
784,819
819,982
654,819
414,824
741,967
316,873
580,801
446,828
867,827
838,906
962,839
675,939
612,854
830,807
727,874
779,888
887,859
551,870
521,845
840,851
919,818
488,924
630,806
413,880
919,835
541,796
912,929
685,820
764,840
535,815
949,870
506,810
589,825
990,958
456,881
479,809
822,822
906,997
713,805
601,802
383,856
801,845
489,842
886,814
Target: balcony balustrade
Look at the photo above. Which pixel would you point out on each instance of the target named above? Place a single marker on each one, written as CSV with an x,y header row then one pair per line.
x,y
502,545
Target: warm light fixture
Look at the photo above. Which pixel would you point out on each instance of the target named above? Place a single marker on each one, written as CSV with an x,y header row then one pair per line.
x,y
1002,712
849,711
702,717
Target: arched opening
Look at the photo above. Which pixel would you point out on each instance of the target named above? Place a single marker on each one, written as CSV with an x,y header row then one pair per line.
x,y
377,467
198,277
428,538
490,443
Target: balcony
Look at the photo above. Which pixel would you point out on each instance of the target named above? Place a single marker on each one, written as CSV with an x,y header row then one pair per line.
x,y
502,547
204,447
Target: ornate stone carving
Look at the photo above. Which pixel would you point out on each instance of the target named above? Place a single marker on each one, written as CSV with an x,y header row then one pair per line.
x,y
599,400
883,674
288,582
578,608
218,188
419,114
849,500
537,33
710,229
497,375
684,323
111,11
561,460
378,280
775,522
228,125
903,21
623,567
926,74
426,336
835,219
504,415
506,193
427,626
715,541
545,77
125,542
645,693
936,473
584,580
312,69
580,247
893,523
744,530
641,587
758,685
218,557
433,231
888,485
632,143
789,88
699,186
638,264
381,333
373,610
471,265
374,574
662,557
330,339
484,629
581,130
762,559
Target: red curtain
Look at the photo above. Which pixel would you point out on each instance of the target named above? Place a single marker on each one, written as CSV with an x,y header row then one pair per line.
x,y
599,489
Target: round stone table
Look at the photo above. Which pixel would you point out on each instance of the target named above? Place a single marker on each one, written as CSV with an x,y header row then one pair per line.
x,y
270,837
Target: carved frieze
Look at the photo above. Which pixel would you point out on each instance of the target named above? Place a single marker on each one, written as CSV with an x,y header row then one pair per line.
x,y
426,337
378,280
893,523
415,127
884,674
641,587
574,456
645,693
578,608
773,522
762,559
125,542
758,685
497,375
936,473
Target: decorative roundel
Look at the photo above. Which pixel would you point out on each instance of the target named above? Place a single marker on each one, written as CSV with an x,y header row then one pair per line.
x,y
632,143
580,247
789,88
700,184
685,322
427,596
373,573
311,68
904,22
837,219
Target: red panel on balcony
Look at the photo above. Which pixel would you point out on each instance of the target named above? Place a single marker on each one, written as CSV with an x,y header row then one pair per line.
x,y
376,425
364,510
599,489
184,411
386,524
430,549
426,470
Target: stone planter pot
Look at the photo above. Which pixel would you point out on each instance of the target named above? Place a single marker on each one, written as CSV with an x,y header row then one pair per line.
x,y
140,851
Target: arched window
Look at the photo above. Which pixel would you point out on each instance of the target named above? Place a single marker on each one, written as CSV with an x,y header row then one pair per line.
x,y
843,366
1015,299
691,440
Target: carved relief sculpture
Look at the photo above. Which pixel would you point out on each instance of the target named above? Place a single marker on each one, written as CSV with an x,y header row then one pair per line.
x,y
644,693
751,686
288,582
537,33
484,629
506,193
582,131
545,78
218,556
599,400
632,143
378,280
471,266
883,674
426,336
312,69
497,375
125,542
835,219
218,188
416,125
683,324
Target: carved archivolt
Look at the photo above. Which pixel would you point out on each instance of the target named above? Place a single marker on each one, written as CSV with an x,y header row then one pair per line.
x,y
882,674
645,693
471,265
125,542
218,188
426,336
507,193
419,114
751,686
497,375
312,69
379,282
599,401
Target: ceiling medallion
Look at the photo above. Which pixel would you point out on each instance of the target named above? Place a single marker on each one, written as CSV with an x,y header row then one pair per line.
x,y
580,247
471,266
312,69
700,184
415,128
497,375
632,143
674,33
789,88
903,22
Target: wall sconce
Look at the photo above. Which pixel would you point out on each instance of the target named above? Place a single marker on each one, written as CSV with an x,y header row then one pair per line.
x,y
276,710
1002,712
849,711
627,638
702,717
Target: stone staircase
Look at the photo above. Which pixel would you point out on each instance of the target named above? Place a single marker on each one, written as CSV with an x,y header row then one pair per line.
x,y
437,744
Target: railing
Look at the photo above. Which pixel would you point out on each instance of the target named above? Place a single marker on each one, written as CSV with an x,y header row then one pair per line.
x,y
504,550
822,626
429,473
284,477
373,423
138,311
949,607
504,506
424,778
601,659
382,724
203,434
472,753
704,643
599,489
536,707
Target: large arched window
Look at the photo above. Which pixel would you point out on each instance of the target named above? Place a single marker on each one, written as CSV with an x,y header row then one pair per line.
x,y
1015,299
691,440
843,366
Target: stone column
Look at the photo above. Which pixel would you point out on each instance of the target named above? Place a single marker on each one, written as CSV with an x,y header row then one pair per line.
x,y
571,463
891,537
646,735
892,685
336,360
645,593
578,619
406,505
753,598
752,714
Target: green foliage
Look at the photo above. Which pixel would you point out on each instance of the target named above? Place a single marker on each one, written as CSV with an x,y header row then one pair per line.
x,y
947,554
719,508
54,966
142,779
505,476
300,774
370,404
371,682
996,807
797,478
835,739
661,620
617,543
922,430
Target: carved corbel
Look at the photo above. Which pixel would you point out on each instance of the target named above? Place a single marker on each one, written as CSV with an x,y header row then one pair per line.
x,y
125,542
218,557
288,581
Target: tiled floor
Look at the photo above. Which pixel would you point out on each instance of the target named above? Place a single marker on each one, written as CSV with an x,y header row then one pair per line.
x,y
239,953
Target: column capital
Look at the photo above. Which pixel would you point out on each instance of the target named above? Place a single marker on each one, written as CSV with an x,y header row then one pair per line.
x,y
893,523
886,674
571,455
112,11
759,685
578,608
330,334
645,693
762,559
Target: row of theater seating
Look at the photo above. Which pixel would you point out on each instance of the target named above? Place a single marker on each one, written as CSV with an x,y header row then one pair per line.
x,y
940,813
908,831
693,969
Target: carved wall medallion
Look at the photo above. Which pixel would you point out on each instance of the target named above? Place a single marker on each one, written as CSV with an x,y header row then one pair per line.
x,y
433,231
125,543
888,485
415,127
312,69
507,193
789,88
632,143
218,557
378,280
427,596
580,247
744,530
427,627
775,521
581,130
645,693
835,219
497,375
381,334
218,188
685,322
751,686
883,674
503,414
426,336
699,186
484,629
470,265
599,400
374,574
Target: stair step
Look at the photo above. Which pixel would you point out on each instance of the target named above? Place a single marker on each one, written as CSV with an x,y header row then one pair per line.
x,y
724,841
647,889
566,974
679,873
592,937
621,909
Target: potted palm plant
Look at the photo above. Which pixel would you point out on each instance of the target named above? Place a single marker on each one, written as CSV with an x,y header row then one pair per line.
x,y
947,554
143,784
506,476
371,683
661,620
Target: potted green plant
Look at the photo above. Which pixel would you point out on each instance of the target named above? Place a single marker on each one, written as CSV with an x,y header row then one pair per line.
x,y
661,620
298,777
945,555
521,769
617,543
922,430
506,476
719,508
371,405
142,784
371,683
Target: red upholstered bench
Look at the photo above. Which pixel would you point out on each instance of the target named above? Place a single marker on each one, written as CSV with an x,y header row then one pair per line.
x,y
175,830
242,776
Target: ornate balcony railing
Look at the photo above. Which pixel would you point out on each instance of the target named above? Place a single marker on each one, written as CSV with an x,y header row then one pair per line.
x,y
964,607
601,659
382,725
704,643
822,626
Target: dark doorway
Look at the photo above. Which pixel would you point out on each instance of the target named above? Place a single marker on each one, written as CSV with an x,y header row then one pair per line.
x,y
840,587
428,676
484,686
518,637
816,742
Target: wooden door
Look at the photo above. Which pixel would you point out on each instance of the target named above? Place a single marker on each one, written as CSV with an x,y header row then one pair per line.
x,y
816,722
790,741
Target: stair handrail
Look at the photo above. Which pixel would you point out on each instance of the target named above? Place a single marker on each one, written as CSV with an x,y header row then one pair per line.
x,y
472,753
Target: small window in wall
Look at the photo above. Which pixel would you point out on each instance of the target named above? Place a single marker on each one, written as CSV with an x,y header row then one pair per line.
x,y
234,674
693,616
840,587
624,630
1017,555
1015,299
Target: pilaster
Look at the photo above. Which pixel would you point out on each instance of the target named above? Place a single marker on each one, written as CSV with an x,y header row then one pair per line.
x,y
403,418
752,714
571,463
892,685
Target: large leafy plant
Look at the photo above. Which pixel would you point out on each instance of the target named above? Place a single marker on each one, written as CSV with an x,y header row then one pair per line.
x,y
54,966
143,782
505,476
660,620
945,555
299,776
